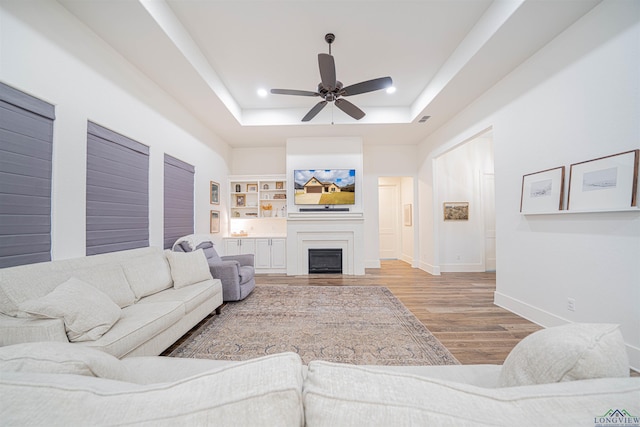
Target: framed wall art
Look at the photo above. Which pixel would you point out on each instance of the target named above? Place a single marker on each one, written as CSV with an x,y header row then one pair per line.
x,y
543,191
241,201
456,211
214,193
604,183
406,214
214,222
252,188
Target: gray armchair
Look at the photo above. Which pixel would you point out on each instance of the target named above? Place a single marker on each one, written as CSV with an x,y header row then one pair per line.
x,y
236,272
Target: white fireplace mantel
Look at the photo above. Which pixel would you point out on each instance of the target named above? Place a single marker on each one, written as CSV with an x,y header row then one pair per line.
x,y
325,230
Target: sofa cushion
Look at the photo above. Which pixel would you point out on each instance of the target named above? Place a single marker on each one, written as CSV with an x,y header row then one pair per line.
x,y
148,274
61,358
188,268
571,352
349,395
191,296
258,392
137,325
87,312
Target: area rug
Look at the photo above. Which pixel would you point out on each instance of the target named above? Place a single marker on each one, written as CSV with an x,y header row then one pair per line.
x,y
364,325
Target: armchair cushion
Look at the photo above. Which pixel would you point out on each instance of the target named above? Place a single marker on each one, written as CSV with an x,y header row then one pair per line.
x,y
209,251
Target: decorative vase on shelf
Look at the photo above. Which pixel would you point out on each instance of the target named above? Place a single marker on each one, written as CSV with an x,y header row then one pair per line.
x,y
238,188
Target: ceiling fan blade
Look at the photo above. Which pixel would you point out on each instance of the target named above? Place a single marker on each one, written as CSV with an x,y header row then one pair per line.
x,y
368,86
294,92
327,71
314,111
349,108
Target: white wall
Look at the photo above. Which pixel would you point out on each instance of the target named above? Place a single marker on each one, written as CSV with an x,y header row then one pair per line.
x,y
259,161
458,174
575,100
48,53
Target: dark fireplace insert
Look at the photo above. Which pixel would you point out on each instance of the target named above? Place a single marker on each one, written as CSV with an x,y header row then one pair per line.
x,y
325,261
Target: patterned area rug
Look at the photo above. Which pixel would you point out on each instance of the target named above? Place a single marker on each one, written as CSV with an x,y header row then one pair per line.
x,y
364,325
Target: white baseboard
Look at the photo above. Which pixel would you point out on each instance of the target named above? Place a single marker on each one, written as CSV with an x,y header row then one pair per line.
x,y
372,263
546,319
462,268
431,269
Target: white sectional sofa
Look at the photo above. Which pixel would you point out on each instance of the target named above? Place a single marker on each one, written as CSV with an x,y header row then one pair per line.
x,y
569,376
130,303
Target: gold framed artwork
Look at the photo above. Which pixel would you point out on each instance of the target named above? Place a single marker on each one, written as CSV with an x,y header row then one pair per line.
x,y
214,193
214,222
241,200
252,188
456,211
279,185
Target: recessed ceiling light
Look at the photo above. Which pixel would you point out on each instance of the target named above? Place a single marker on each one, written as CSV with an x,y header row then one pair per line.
x,y
391,89
262,93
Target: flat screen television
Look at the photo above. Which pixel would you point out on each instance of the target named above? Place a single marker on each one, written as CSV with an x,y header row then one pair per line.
x,y
325,187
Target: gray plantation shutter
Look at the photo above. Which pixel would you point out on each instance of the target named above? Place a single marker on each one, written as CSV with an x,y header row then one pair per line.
x,y
26,140
178,199
117,192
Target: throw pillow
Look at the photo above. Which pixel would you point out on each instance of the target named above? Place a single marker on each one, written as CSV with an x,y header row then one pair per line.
x,y
188,268
87,312
61,358
576,351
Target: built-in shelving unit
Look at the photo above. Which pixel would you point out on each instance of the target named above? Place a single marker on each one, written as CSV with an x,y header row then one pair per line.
x,y
257,197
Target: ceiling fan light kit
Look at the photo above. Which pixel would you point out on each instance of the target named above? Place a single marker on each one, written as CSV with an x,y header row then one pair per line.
x,y
332,90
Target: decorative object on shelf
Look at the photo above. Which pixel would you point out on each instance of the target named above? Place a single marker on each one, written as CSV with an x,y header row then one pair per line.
x,y
240,233
238,188
279,185
236,214
240,200
252,213
265,187
456,211
406,214
252,188
265,197
214,193
604,183
266,209
279,196
214,222
542,191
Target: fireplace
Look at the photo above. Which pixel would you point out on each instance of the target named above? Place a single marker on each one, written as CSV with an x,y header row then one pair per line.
x,y
325,261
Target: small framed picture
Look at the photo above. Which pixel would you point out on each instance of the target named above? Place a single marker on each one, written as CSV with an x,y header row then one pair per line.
x,y
252,188
542,191
406,214
214,222
241,200
456,211
279,185
214,193
609,182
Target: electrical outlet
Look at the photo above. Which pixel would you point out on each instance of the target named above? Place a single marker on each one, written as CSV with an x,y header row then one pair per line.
x,y
571,304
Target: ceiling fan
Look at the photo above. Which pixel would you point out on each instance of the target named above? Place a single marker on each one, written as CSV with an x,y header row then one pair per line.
x,y
332,90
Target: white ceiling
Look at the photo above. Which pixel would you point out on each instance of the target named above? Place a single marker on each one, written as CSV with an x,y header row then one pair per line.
x,y
213,55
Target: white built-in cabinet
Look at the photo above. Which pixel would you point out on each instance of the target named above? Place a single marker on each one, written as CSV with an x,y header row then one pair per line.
x,y
239,246
270,252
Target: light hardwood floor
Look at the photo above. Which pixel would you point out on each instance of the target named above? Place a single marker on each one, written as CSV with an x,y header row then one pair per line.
x,y
456,307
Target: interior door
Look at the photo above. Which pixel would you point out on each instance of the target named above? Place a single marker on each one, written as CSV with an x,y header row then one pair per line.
x,y
389,233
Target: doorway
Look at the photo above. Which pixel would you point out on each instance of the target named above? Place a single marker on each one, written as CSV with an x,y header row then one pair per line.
x,y
395,218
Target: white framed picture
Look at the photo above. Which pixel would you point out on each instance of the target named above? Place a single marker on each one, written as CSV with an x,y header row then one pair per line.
x,y
609,182
543,191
